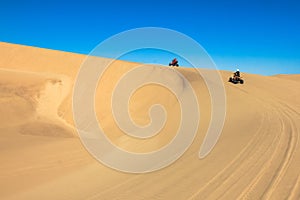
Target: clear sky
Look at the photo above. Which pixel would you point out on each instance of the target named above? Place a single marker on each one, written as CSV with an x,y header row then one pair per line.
x,y
259,36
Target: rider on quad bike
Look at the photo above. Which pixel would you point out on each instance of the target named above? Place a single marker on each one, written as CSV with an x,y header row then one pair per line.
x,y
237,74
236,78
174,62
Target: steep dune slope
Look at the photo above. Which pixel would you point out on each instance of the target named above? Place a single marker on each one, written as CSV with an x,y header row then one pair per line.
x,y
256,157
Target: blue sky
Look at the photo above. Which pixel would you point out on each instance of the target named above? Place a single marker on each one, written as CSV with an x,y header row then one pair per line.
x,y
257,36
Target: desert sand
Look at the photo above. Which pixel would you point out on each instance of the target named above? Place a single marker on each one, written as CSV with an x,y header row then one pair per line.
x,y
42,157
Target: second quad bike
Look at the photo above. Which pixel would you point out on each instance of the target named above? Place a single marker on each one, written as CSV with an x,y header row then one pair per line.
x,y
236,80
174,63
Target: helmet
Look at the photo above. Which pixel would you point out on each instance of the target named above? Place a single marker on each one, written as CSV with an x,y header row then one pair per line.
x,y
238,70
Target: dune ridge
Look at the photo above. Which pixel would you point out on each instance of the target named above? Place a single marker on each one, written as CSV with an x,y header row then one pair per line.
x,y
257,156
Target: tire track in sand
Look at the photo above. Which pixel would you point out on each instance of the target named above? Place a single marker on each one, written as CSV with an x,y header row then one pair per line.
x,y
234,171
280,160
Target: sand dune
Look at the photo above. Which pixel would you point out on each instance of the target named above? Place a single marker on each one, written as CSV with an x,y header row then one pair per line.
x,y
294,77
42,157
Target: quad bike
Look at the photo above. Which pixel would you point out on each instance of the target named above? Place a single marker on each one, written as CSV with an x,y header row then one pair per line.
x,y
174,63
236,79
